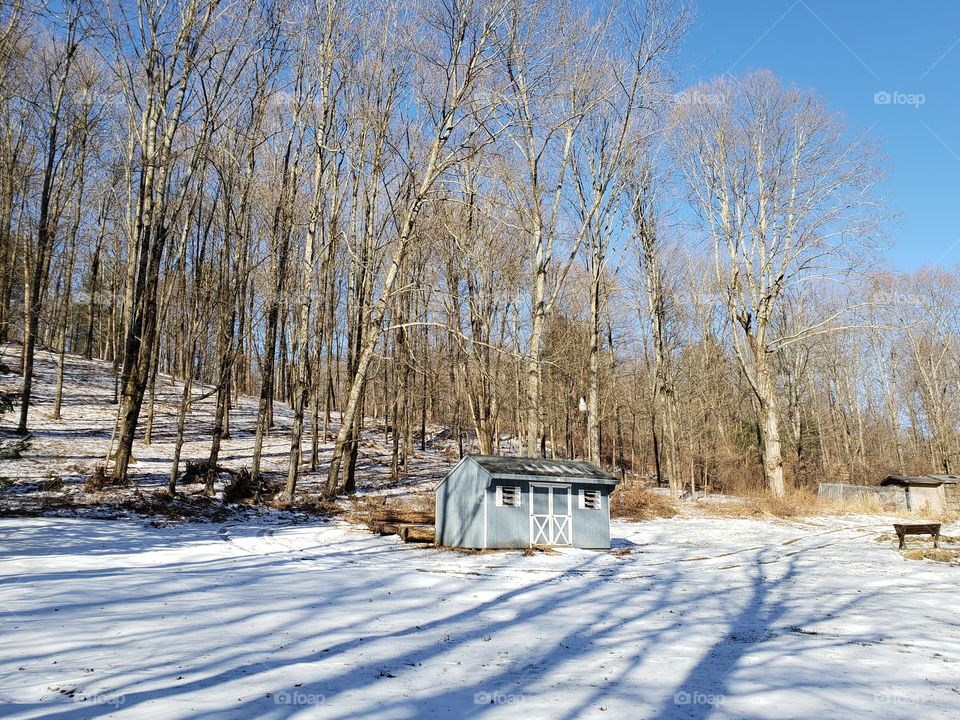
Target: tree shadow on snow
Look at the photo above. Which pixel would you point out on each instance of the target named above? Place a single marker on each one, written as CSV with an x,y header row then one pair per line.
x,y
594,629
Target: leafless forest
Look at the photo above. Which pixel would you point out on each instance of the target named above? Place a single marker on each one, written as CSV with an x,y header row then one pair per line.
x,y
504,217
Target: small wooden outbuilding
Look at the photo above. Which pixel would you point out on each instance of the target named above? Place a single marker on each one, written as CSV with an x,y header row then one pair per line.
x,y
512,502
935,492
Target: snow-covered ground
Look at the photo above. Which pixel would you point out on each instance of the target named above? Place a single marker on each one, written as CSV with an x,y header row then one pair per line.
x,y
686,618
262,614
68,449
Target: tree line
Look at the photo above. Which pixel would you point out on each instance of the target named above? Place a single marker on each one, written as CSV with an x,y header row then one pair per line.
x,y
505,217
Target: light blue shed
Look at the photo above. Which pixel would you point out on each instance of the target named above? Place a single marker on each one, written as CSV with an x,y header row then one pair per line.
x,y
510,502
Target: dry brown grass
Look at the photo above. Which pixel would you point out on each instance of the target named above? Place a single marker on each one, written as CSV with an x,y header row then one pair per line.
x,y
637,504
805,503
861,505
867,505
946,517
944,539
944,555
796,503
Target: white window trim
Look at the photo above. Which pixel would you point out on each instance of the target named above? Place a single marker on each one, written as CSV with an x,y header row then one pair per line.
x,y
518,496
583,500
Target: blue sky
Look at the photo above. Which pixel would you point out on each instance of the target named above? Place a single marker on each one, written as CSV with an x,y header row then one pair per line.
x,y
847,51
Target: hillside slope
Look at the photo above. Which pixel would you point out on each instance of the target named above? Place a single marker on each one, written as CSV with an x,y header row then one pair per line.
x,y
61,455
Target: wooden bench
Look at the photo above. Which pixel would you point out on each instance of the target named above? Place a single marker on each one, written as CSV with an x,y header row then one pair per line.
x,y
904,529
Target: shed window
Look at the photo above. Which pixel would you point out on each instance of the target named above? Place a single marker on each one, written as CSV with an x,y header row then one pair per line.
x,y
508,496
590,499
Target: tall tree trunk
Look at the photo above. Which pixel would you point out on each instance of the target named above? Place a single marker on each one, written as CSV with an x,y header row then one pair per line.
x,y
280,238
94,287
593,392
33,298
67,293
770,422
301,383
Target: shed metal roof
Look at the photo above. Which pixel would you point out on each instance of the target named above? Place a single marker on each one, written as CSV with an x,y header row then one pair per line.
x,y
521,468
920,480
946,479
514,467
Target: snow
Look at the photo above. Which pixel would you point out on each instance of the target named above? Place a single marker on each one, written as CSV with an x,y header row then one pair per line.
x,y
69,449
267,613
686,618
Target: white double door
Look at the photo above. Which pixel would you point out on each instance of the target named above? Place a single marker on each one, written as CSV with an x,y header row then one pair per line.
x,y
551,508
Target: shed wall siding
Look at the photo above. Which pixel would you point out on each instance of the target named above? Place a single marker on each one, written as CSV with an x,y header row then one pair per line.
x,y
591,528
459,507
508,527
951,495
929,498
467,514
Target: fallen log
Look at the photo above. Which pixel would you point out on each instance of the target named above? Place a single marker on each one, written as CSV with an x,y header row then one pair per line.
x,y
410,517
417,533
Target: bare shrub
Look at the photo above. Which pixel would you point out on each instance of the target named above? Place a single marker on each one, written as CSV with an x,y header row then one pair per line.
x,y
54,484
97,481
240,488
636,504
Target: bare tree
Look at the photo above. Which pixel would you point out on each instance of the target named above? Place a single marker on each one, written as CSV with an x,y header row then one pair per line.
x,y
786,200
162,50
483,266
655,311
611,141
461,35
406,215
549,94
56,67
322,219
